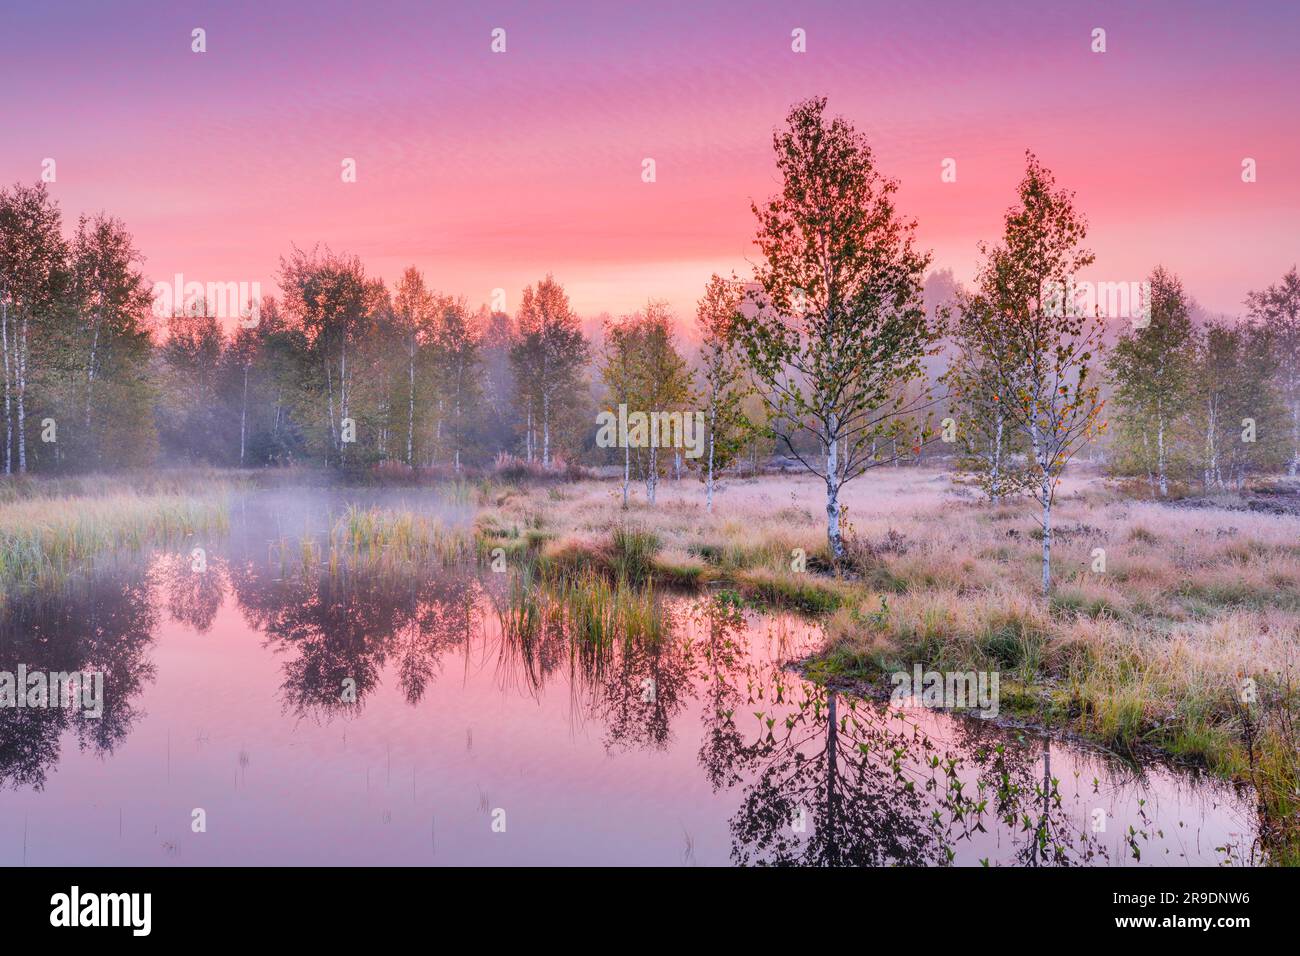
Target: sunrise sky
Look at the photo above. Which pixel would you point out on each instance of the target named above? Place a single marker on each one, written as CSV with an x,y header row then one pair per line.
x,y
489,170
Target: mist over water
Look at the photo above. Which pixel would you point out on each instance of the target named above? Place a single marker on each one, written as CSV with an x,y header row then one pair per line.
x,y
471,742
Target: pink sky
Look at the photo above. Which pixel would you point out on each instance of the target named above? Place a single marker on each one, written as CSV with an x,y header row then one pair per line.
x,y
489,170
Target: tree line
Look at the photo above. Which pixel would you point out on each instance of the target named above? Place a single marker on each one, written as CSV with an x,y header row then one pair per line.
x,y
827,354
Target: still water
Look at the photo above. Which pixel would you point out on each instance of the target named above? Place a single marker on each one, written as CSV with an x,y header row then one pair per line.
x,y
468,744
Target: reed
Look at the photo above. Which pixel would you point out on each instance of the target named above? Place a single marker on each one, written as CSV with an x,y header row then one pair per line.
x,y
44,540
592,610
381,540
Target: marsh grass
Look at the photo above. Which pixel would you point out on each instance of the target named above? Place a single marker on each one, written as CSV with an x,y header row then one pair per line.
x,y
592,611
173,482
632,552
44,540
382,541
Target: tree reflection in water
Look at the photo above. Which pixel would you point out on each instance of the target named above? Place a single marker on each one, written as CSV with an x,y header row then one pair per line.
x,y
825,779
349,627
817,777
830,780
103,623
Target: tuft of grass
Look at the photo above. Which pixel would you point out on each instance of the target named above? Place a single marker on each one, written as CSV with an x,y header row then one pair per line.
x,y
632,552
800,591
591,610
1141,535
383,541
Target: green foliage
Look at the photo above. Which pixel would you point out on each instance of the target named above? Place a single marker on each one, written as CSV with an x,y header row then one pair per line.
x,y
1152,370
836,329
1030,351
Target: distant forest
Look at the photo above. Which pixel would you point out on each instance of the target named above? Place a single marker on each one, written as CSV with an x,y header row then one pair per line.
x,y
343,369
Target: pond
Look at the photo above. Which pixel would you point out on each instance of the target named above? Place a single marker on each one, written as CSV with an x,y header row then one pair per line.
x,y
347,719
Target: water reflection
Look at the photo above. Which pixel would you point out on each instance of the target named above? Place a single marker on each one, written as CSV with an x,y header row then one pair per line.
x,y
799,775
340,632
829,780
82,628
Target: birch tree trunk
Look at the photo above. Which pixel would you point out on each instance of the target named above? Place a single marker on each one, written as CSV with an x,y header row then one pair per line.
x,y
652,475
329,383
458,379
410,411
1146,457
9,415
997,460
243,418
1160,454
1047,533
1295,434
1043,459
546,429
708,482
833,536
627,470
90,365
22,398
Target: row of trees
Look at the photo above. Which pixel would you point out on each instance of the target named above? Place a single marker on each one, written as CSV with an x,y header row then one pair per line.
x,y
340,369
1209,405
75,338
827,351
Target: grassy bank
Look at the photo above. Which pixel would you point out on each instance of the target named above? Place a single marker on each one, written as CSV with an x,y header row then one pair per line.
x,y
1187,643
579,527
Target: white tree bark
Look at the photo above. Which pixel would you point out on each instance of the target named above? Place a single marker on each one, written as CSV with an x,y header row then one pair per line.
x,y
9,415
708,483
833,535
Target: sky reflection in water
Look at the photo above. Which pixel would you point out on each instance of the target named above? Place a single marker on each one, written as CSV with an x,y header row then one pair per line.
x,y
223,692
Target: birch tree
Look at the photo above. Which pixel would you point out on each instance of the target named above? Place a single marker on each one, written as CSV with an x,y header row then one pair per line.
x,y
1151,367
723,376
547,358
662,380
1238,414
1278,309
456,355
110,294
414,312
990,448
191,358
331,299
618,373
1042,349
33,276
836,326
